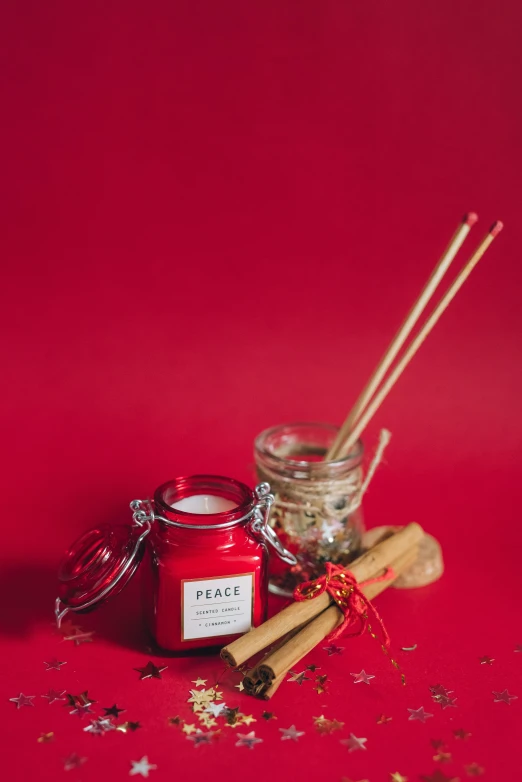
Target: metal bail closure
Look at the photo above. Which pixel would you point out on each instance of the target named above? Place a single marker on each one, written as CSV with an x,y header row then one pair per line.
x,y
261,526
100,564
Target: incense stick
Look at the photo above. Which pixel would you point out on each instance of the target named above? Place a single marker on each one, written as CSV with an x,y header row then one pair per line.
x,y
401,336
419,339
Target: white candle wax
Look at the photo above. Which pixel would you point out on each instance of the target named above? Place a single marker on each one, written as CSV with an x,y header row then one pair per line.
x,y
204,503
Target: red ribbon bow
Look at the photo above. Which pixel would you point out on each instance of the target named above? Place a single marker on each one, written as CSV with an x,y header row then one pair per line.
x,y
344,589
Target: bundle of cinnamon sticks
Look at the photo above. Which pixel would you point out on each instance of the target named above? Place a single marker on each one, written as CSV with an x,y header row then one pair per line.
x,y
299,627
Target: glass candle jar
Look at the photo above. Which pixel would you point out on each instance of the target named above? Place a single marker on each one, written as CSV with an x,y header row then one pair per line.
x,y
206,561
317,510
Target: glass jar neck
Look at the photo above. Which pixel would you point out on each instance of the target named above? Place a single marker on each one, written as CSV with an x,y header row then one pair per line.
x,y
213,488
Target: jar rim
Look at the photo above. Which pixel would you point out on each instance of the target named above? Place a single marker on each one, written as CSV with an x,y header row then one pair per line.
x,y
355,455
186,486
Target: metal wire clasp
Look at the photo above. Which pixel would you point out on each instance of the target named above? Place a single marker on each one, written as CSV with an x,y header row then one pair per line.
x,y
261,526
142,512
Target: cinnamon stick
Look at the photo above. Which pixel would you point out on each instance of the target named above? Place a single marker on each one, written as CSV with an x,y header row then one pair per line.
x,y
298,613
288,655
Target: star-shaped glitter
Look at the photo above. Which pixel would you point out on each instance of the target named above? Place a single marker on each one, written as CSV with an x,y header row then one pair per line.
x,y
200,737
150,671
438,776
438,689
23,700
298,678
324,725
486,660
445,701
291,733
382,719
54,664
216,709
81,710
73,761
112,711
503,697
442,756
246,719
44,738
518,648
419,714
68,628
54,695
474,770
141,767
175,721
100,726
461,734
80,638
333,649
199,682
83,698
353,743
248,740
396,777
362,677
125,727
320,689
268,715
188,729
239,686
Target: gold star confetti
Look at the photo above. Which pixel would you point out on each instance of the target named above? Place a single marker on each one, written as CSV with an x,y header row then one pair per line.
x,y
486,660
199,682
382,719
247,719
150,671
174,721
441,756
500,697
474,770
44,738
268,715
438,776
188,729
320,689
125,727
73,761
325,726
207,721
461,734
54,664
396,777
240,686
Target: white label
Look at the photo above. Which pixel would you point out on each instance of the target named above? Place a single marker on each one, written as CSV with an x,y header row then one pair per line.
x,y
217,606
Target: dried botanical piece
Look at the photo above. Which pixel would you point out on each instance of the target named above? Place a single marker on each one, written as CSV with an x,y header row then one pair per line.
x,y
474,770
362,677
150,671
461,734
44,738
54,664
23,700
248,740
141,767
504,697
54,695
353,743
419,714
291,733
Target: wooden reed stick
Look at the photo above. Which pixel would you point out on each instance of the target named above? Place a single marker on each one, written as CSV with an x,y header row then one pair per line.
x,y
281,661
365,567
403,333
417,342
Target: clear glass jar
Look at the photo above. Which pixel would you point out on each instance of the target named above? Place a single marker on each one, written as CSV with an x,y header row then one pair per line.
x,y
317,510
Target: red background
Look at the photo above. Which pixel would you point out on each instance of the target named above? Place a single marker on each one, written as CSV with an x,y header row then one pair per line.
x,y
215,216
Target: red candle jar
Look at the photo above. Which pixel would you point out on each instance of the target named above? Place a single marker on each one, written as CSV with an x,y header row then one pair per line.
x,y
206,561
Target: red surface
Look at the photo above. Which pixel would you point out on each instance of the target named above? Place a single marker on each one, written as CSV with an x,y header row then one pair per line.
x,y
215,217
